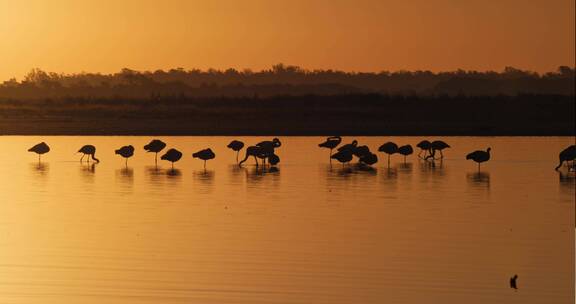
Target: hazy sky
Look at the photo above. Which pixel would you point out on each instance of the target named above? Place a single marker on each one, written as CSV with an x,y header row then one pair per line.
x,y
354,35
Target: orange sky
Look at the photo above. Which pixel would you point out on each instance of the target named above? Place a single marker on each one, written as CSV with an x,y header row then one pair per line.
x,y
354,35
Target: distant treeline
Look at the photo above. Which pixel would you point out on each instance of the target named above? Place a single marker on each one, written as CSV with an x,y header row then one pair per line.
x,y
350,114
284,80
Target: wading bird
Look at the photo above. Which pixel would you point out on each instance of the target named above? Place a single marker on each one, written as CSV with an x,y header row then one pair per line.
x,y
479,156
331,143
236,145
172,156
126,152
204,155
424,146
41,148
89,150
405,150
388,148
437,145
343,156
348,147
155,146
568,154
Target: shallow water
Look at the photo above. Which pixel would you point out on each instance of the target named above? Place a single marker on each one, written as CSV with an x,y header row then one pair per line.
x,y
308,232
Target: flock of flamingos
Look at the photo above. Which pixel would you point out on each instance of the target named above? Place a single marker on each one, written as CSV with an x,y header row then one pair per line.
x,y
265,151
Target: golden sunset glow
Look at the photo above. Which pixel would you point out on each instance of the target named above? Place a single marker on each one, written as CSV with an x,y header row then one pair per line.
x,y
68,36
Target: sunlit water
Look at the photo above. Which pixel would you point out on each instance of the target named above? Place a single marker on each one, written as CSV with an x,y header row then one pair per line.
x,y
306,233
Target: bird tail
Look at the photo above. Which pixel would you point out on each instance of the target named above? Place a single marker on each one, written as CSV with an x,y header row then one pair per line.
x,y
117,151
469,156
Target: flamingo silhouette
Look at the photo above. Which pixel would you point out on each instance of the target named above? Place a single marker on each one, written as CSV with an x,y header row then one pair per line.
x,y
262,150
331,143
89,150
479,156
343,156
349,147
388,148
41,148
155,146
437,145
204,155
126,152
405,150
567,154
369,158
273,159
236,145
424,146
172,156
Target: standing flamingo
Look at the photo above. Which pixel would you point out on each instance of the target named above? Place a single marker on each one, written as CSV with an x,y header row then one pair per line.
x,y
388,148
41,148
236,145
331,143
89,150
155,146
437,145
172,156
405,150
425,147
479,156
204,155
567,154
343,156
126,152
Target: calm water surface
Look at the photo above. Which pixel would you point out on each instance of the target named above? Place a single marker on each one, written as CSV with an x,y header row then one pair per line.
x,y
307,233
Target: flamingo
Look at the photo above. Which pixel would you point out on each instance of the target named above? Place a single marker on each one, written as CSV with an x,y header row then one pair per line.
x,y
155,146
369,158
479,156
204,155
273,159
388,148
126,152
331,143
236,145
343,156
348,147
437,145
567,154
41,148
405,150
89,150
172,156
424,146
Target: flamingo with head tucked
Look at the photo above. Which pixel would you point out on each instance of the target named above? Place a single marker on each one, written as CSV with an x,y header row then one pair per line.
x,y
331,143
204,155
41,148
126,152
155,146
172,156
479,156
236,145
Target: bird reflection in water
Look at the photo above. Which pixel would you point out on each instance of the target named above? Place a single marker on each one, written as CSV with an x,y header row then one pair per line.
x,y
125,175
173,173
479,180
41,169
257,174
567,181
405,167
205,176
87,171
431,167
